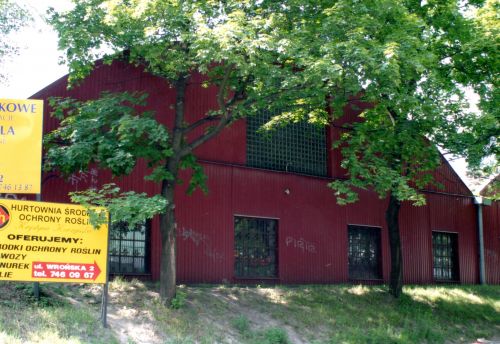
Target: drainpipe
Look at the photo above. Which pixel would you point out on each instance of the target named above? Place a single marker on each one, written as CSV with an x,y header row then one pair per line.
x,y
479,202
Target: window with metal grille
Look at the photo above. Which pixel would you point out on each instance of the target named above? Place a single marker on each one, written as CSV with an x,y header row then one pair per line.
x,y
256,247
445,256
298,147
364,252
129,249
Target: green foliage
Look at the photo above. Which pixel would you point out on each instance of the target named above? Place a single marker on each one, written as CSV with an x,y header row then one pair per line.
x,y
179,300
409,62
109,131
198,178
275,335
130,207
241,324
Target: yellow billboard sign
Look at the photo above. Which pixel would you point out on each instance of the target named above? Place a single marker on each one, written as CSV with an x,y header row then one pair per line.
x,y
51,242
20,145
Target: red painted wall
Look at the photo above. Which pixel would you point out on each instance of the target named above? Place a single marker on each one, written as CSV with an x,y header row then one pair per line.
x,y
491,228
308,214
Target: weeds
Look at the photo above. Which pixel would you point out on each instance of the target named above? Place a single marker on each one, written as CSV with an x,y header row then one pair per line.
x,y
241,324
276,335
50,319
179,300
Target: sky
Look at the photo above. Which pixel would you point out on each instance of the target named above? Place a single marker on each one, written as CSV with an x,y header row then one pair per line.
x,y
37,64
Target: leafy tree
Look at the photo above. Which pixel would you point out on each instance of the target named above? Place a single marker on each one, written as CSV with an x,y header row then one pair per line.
x,y
305,60
12,18
412,61
235,44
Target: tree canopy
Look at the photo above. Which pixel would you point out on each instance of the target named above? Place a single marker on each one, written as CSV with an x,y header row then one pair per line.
x,y
410,60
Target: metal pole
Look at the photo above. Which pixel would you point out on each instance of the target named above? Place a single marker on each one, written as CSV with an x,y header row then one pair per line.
x,y
104,304
36,285
480,233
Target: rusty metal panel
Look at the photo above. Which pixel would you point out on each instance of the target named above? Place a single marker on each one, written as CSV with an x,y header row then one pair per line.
x,y
205,246
491,222
416,243
448,180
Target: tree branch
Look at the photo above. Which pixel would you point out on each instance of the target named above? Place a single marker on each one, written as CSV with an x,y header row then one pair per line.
x,y
200,122
214,130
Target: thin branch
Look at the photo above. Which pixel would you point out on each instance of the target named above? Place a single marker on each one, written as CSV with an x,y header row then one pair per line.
x,y
223,122
200,122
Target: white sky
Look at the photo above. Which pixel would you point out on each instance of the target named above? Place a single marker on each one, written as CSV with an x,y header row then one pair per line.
x,y
37,65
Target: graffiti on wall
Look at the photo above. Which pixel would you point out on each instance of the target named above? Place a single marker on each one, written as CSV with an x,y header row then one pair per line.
x,y
201,240
89,178
300,244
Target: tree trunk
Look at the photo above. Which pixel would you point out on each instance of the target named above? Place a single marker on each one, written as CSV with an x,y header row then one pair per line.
x,y
392,220
168,245
167,221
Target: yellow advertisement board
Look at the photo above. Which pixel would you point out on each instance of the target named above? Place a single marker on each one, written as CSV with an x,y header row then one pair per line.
x,y
51,242
20,145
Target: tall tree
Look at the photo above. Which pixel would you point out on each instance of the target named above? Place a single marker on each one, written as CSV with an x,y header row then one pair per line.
x,y
12,18
235,44
412,61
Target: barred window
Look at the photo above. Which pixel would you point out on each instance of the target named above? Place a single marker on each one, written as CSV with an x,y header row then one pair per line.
x,y
129,249
298,147
445,256
364,252
256,247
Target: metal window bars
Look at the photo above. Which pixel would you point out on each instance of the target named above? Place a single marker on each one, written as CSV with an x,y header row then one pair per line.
x,y
256,247
364,253
129,249
297,147
445,256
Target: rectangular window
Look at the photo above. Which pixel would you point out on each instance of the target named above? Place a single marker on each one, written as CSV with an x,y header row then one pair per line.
x,y
297,147
364,252
445,256
129,249
256,247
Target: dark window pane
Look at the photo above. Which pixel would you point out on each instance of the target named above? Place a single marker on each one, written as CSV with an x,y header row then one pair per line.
x,y
129,249
298,147
445,256
255,242
364,252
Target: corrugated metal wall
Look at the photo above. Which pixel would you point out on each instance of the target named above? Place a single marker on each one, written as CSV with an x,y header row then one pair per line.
x,y
312,227
491,223
309,214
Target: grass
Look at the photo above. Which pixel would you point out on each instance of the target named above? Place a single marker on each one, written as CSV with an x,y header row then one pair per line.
x,y
23,319
258,315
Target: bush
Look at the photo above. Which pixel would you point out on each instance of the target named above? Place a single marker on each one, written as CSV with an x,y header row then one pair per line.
x,y
179,300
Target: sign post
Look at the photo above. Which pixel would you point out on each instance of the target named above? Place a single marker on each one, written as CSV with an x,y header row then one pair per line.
x,y
42,242
51,242
21,146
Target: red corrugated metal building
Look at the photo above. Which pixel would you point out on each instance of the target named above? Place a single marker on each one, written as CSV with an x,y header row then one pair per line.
x,y
261,224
